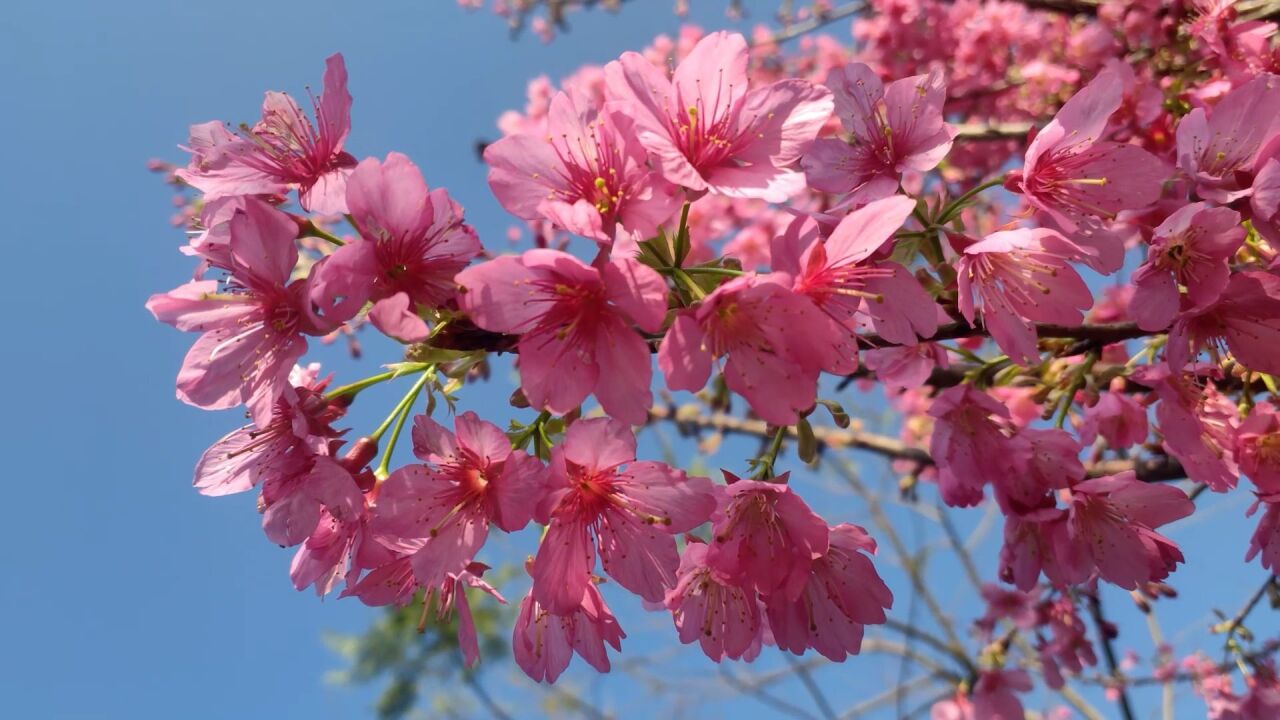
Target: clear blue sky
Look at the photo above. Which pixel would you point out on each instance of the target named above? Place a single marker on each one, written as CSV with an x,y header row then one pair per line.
x,y
124,594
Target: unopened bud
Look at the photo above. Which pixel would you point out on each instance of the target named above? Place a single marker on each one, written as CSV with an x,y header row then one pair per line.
x,y
518,400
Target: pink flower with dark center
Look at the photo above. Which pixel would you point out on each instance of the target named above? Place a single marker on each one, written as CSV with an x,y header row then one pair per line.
x,y
412,242
585,172
1111,526
440,512
575,326
598,496
765,538
723,618
1072,174
707,130
544,643
251,324
776,340
894,129
969,447
1219,151
1245,321
843,276
1020,277
1191,248
1257,448
281,151
843,594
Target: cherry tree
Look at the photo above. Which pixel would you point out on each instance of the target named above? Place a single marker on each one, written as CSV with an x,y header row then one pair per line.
x,y
1045,234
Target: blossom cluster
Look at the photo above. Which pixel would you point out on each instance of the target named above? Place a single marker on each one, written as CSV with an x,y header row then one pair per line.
x,y
749,221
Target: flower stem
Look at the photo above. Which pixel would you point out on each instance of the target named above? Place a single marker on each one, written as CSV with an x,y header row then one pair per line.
x,y
372,380
314,230
954,207
400,414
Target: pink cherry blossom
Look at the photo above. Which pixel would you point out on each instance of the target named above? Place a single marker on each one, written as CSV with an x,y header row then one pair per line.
x,y
844,593
1218,151
294,500
281,151
395,583
251,325
1197,423
906,366
1019,277
1266,537
1072,174
776,340
412,242
765,538
894,129
708,130
441,511
544,643
1245,320
598,496
843,276
1035,541
574,323
726,620
1191,248
969,447
300,424
1045,459
1257,448
585,172
995,694
1111,526
1068,646
1119,419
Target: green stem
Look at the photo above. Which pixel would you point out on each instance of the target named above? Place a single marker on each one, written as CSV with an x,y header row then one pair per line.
x,y
1077,382
955,206
519,441
713,271
686,280
401,414
314,230
764,470
682,236
372,380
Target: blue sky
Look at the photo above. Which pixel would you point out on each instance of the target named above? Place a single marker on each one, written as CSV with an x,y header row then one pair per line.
x,y
124,593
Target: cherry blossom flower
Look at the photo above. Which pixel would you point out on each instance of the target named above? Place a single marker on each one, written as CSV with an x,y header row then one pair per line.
x,y
544,643
1072,174
281,151
1019,277
968,446
843,276
412,242
574,323
708,130
776,340
598,496
585,172
1257,448
1219,150
1191,248
894,129
765,538
843,594
251,325
1119,419
1197,423
1111,527
1245,320
725,619
440,512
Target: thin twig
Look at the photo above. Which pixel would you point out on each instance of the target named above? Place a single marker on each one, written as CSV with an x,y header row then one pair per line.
x,y
1109,653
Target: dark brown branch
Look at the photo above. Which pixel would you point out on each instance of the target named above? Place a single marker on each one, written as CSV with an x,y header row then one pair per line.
x,y
1109,652
993,131
1154,469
